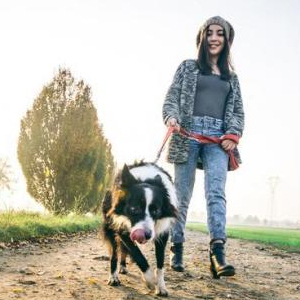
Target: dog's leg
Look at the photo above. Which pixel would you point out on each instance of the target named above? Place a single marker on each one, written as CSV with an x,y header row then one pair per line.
x,y
124,252
160,245
140,260
113,249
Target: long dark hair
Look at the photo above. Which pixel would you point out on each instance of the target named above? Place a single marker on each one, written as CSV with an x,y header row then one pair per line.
x,y
224,61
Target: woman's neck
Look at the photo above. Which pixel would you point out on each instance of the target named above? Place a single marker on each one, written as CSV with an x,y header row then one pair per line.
x,y
214,60
214,66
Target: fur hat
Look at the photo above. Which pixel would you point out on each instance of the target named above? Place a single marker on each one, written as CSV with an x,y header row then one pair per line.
x,y
229,31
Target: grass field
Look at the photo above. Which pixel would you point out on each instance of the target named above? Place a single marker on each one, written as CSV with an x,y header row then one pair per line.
x,y
16,226
287,239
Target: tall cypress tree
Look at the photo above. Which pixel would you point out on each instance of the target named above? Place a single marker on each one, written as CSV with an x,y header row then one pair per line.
x,y
64,155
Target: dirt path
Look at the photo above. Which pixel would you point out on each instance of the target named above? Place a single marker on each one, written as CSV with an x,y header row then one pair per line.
x,y
77,268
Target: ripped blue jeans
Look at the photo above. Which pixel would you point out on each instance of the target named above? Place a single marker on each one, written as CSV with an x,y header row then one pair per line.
x,y
215,164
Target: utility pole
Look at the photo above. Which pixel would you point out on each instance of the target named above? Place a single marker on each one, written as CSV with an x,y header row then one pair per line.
x,y
273,182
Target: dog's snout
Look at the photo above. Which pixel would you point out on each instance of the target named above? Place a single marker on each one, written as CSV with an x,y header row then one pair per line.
x,y
148,234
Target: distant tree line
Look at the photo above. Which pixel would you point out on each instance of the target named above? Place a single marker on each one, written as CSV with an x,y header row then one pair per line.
x,y
65,157
255,221
249,220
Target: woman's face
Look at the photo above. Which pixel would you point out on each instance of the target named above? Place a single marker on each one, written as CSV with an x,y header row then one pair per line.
x,y
215,39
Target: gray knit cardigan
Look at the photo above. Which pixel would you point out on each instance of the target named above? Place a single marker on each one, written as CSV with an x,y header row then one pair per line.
x,y
179,104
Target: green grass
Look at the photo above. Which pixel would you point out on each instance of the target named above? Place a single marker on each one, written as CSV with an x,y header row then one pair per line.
x,y
287,239
17,226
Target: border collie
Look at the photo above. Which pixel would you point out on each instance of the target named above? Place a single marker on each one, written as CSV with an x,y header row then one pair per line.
x,y
140,207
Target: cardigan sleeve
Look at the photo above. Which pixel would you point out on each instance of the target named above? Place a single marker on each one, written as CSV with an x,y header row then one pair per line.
x,y
171,103
236,122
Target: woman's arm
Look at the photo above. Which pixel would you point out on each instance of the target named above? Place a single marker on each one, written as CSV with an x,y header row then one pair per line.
x,y
236,123
171,103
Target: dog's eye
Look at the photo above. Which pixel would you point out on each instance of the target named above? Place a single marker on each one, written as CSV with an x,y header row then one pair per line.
x,y
135,210
155,211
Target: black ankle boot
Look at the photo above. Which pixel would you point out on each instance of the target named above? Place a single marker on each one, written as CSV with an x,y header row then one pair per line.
x,y
218,265
176,257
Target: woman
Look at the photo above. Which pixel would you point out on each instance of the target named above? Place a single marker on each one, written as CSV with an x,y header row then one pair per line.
x,y
205,99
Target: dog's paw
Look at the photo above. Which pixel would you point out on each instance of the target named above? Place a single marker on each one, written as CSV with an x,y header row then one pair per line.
x,y
150,279
123,270
161,286
113,280
162,292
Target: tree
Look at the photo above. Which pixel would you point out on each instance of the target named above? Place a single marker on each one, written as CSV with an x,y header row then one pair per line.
x,y
64,155
5,175
252,220
236,219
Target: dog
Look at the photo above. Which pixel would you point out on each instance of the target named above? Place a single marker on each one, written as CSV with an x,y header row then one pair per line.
x,y
139,208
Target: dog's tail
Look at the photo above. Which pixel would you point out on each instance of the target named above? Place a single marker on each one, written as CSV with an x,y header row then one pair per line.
x,y
106,204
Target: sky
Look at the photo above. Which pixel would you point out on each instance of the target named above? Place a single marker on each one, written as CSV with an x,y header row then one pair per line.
x,y
128,51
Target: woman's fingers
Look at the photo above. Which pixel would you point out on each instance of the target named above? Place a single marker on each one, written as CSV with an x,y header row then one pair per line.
x,y
228,145
172,122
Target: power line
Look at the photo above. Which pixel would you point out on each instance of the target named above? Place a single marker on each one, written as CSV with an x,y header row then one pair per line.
x,y
273,182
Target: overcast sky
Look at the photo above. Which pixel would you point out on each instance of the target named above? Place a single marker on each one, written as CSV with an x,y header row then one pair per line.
x,y
128,51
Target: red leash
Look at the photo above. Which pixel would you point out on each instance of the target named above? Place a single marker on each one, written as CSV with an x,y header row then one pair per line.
x,y
203,139
168,134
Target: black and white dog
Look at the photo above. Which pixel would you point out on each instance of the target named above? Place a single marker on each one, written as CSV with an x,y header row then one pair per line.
x,y
140,207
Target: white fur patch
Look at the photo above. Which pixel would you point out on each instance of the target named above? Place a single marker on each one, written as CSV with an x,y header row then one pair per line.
x,y
161,286
148,222
150,279
149,198
163,225
113,277
149,171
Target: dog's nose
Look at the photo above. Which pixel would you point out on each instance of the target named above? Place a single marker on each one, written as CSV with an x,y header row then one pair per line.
x,y
148,234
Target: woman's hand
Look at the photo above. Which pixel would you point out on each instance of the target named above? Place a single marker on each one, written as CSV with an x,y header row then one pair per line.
x,y
172,122
228,145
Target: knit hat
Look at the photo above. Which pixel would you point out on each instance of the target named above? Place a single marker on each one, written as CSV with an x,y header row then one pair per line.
x,y
229,31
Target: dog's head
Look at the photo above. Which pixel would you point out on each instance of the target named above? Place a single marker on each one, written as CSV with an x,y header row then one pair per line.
x,y
140,205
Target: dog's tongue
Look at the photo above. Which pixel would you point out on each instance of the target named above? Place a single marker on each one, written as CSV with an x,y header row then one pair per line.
x,y
138,235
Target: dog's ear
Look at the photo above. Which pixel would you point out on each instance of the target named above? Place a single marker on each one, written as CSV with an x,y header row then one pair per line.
x,y
119,207
158,179
169,210
117,202
127,178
